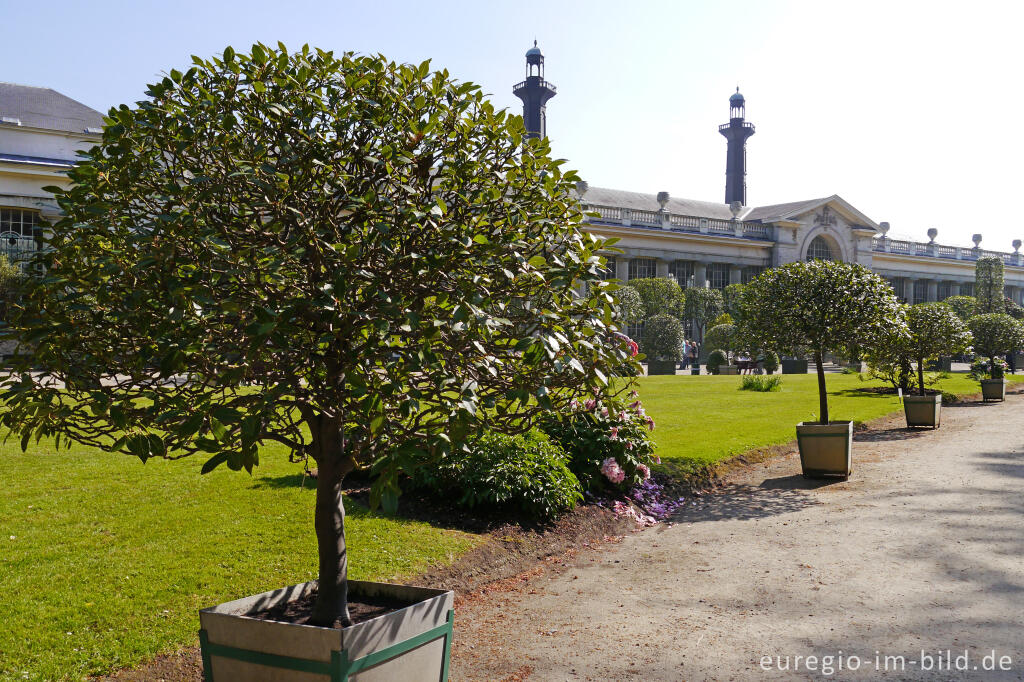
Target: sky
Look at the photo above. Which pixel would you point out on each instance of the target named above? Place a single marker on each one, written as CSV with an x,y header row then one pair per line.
x,y
908,110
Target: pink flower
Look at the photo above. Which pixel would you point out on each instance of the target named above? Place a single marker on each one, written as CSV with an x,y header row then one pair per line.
x,y
635,404
612,471
634,394
604,411
623,416
615,433
650,423
633,349
574,405
644,471
657,459
629,445
590,404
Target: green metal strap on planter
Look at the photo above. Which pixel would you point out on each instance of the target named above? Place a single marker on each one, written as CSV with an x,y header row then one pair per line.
x,y
304,665
340,666
350,667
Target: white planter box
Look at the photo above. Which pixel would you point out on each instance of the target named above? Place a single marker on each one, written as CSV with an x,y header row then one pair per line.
x,y
413,643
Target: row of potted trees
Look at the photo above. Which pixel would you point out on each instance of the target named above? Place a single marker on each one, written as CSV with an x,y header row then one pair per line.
x,y
821,307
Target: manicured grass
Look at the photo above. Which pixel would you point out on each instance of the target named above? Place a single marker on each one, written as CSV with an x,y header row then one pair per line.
x,y
105,562
705,419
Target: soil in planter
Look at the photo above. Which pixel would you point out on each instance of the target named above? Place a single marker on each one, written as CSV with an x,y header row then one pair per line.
x,y
360,609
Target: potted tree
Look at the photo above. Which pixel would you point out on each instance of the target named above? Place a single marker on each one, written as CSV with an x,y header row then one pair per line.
x,y
995,334
355,258
662,343
934,330
822,306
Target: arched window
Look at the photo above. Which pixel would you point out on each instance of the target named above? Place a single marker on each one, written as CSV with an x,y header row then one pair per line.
x,y
820,249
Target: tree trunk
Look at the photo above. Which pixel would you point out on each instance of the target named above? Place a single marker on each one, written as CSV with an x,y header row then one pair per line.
x,y
822,394
329,519
920,375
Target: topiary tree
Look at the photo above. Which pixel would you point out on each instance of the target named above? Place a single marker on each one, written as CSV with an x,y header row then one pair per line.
x,y
659,295
716,359
988,284
934,330
770,361
362,260
628,305
995,334
721,336
701,306
662,339
819,305
965,307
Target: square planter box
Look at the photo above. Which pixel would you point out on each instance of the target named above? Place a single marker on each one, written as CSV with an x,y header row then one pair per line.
x,y
413,643
729,369
794,367
923,410
993,389
825,449
656,367
695,370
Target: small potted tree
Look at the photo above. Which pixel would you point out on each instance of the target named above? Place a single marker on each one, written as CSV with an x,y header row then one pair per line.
x,y
723,337
995,334
934,330
662,343
354,258
822,306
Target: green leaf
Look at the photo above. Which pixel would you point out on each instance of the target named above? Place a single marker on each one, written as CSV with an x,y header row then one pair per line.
x,y
214,462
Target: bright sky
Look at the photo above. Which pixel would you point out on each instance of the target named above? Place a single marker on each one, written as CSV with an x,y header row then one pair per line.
x,y
905,109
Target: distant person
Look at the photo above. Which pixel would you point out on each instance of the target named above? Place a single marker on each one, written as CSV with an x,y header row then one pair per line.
x,y
1011,360
694,353
686,353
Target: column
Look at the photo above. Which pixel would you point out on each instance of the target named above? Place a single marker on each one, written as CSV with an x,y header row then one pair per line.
x,y
908,288
622,268
661,266
700,274
954,288
933,290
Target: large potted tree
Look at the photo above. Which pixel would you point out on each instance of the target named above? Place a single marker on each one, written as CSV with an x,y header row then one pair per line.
x,y
662,343
821,306
358,259
934,330
995,334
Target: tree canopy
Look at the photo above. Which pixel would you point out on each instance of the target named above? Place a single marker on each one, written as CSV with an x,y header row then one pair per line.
x,y
934,330
965,307
702,306
362,260
660,296
662,338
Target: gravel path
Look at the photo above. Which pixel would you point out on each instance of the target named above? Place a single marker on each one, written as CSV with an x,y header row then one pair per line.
x,y
920,550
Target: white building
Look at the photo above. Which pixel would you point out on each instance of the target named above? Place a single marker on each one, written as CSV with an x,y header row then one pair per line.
x,y
40,132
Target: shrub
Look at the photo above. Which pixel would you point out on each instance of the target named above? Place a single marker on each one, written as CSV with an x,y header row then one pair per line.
x,y
663,338
608,443
965,307
716,359
528,471
724,318
732,297
721,336
984,368
628,305
659,296
761,382
950,397
769,361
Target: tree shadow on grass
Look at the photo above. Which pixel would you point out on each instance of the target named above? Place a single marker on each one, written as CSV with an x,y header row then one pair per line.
x,y
298,480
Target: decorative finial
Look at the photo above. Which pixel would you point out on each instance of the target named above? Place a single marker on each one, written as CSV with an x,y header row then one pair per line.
x,y
737,88
535,42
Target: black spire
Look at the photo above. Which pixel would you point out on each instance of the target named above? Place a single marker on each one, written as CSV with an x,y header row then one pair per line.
x,y
736,131
535,92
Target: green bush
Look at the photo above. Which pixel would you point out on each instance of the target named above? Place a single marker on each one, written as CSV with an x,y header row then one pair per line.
x,y
761,382
529,472
721,336
662,338
716,359
608,443
769,361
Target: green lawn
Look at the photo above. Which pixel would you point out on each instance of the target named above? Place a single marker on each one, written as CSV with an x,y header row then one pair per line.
x,y
704,419
105,561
